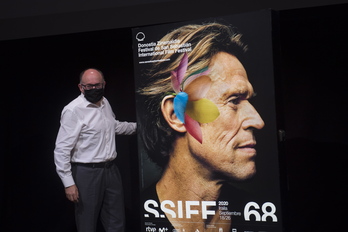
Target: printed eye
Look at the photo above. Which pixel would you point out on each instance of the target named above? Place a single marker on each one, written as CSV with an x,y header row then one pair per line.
x,y
238,98
235,100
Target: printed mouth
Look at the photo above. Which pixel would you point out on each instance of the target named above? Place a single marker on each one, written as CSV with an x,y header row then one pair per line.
x,y
250,145
248,148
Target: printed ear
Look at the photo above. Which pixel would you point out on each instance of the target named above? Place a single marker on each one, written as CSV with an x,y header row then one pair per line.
x,y
167,107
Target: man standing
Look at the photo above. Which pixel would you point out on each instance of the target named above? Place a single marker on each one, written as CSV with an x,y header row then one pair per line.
x,y
84,156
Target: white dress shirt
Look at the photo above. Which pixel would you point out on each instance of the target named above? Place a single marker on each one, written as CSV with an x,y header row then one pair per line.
x,y
87,135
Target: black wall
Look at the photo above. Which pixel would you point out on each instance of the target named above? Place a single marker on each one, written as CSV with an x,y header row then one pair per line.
x,y
32,18
40,76
314,104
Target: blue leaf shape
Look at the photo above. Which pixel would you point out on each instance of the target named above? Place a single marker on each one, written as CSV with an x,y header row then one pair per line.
x,y
180,102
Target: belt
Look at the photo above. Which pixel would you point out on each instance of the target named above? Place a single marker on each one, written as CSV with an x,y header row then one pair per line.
x,y
107,164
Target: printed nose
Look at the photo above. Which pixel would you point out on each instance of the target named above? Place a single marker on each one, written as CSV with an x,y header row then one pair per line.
x,y
252,119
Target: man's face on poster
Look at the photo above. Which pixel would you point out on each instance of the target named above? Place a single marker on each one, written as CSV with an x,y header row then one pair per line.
x,y
228,148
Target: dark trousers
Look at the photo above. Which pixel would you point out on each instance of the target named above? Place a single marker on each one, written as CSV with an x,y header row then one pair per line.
x,y
100,195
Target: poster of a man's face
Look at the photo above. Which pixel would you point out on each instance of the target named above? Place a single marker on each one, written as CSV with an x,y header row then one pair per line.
x,y
203,165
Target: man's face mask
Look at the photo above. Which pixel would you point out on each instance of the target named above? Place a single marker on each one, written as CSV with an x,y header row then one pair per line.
x,y
94,95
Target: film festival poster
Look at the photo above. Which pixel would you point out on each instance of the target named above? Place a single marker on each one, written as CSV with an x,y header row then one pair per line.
x,y
231,204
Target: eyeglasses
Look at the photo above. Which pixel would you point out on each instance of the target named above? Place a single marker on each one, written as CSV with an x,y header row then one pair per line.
x,y
95,86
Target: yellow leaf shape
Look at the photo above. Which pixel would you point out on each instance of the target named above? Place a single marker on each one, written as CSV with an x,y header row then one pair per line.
x,y
202,110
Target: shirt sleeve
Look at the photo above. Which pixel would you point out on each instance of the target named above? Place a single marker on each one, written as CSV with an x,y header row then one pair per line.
x,y
66,139
125,128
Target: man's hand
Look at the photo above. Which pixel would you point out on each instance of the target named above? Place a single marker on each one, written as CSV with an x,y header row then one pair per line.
x,y
72,193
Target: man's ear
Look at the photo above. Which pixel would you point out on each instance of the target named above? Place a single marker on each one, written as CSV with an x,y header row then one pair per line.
x,y
167,107
81,88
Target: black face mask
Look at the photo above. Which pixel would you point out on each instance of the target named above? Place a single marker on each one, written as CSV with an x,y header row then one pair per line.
x,y
94,95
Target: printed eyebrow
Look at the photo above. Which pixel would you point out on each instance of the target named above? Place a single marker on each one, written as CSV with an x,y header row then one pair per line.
x,y
242,94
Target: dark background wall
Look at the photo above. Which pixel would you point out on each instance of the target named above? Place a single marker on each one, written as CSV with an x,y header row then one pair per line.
x,y
314,108
45,46
22,18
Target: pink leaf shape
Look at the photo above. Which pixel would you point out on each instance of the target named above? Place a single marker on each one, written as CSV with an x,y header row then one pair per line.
x,y
178,75
181,70
175,82
198,88
195,76
193,128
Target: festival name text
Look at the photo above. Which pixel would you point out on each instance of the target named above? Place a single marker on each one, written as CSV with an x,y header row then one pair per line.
x,y
162,48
